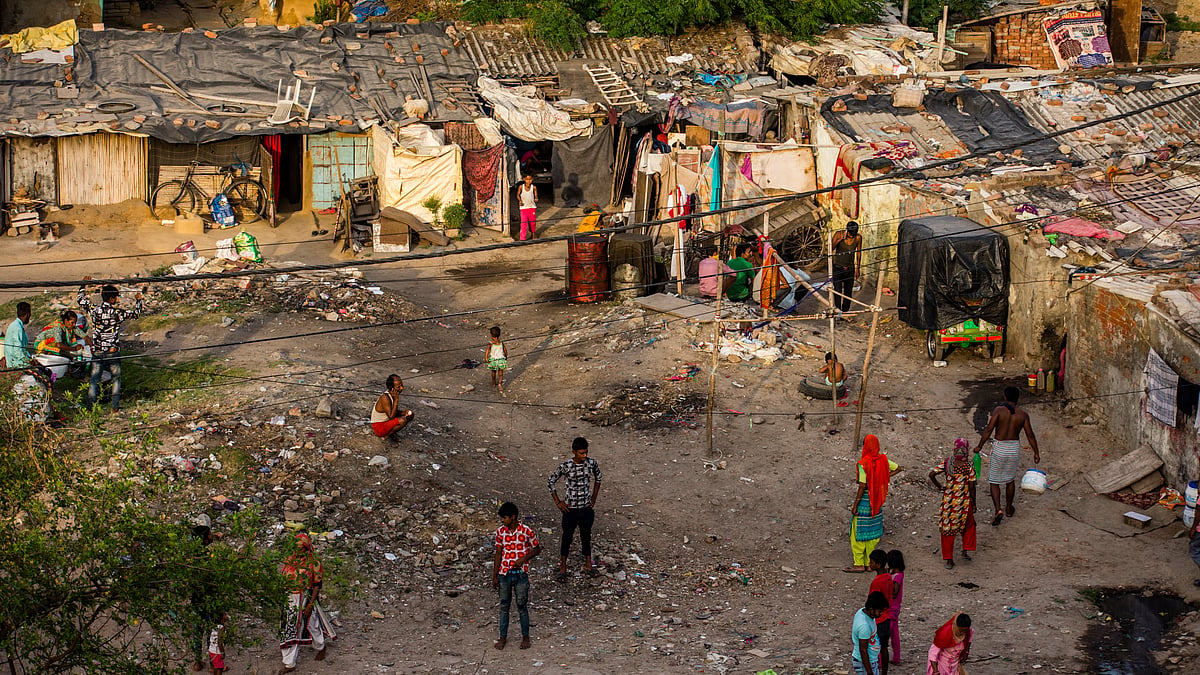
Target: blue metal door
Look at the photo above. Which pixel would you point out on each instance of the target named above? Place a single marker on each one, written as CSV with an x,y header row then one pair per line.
x,y
351,153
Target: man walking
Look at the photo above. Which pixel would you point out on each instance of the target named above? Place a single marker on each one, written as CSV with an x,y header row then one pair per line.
x,y
1007,422
16,339
847,264
580,471
106,334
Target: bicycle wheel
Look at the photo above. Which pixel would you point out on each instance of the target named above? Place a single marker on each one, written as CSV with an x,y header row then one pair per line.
x,y
248,199
171,198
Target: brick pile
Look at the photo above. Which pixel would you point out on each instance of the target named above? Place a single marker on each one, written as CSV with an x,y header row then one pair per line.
x,y
1020,40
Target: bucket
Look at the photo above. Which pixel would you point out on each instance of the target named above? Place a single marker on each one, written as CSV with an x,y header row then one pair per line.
x,y
56,364
1189,494
1034,481
188,250
587,268
1189,515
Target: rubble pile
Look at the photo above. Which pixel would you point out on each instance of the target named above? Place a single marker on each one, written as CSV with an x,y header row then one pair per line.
x,y
622,327
647,406
768,343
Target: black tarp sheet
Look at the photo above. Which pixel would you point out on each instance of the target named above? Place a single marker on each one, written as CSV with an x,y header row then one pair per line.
x,y
984,121
582,169
945,262
245,63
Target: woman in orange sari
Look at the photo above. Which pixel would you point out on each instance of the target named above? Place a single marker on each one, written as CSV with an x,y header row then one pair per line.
x,y
304,621
866,525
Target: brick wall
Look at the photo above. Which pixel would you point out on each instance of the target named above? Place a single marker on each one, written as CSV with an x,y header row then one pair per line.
x,y
1109,337
1020,40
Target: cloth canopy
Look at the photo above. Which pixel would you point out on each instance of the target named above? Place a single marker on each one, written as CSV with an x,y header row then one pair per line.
x,y
530,119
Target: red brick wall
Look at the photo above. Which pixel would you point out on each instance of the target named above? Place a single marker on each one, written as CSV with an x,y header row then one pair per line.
x,y
1020,40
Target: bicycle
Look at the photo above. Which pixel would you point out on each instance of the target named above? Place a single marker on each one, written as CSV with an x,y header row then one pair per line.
x,y
247,197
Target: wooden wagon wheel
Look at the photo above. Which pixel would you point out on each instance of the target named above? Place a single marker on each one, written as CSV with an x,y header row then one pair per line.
x,y
805,246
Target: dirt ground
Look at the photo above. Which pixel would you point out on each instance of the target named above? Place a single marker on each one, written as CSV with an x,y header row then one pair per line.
x,y
701,564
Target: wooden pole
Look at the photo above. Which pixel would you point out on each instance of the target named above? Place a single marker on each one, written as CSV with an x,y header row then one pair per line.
x,y
679,259
712,376
904,13
832,337
942,33
862,385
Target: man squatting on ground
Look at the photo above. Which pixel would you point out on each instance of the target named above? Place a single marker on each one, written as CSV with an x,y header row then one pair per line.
x,y
577,508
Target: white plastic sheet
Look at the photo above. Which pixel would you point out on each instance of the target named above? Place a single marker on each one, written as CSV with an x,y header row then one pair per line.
x,y
530,119
410,175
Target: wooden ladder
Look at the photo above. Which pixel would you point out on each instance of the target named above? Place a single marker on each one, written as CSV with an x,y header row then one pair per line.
x,y
612,87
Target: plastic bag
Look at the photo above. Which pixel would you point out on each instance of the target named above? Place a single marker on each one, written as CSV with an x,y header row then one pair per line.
x,y
225,249
247,246
222,212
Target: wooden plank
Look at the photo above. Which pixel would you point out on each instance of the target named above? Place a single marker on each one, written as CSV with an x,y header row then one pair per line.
x,y
678,307
414,224
1125,471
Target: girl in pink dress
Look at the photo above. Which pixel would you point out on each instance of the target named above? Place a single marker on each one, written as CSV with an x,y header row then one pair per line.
x,y
896,568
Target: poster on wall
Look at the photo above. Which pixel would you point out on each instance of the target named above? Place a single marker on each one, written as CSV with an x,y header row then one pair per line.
x,y
1078,39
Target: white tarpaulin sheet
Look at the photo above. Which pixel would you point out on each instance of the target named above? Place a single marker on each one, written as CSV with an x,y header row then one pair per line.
x,y
530,119
410,175
787,166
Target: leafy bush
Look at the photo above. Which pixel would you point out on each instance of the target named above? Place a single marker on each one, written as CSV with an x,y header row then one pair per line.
x,y
927,13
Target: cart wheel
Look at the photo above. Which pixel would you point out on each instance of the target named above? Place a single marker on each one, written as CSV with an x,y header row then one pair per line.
x,y
934,346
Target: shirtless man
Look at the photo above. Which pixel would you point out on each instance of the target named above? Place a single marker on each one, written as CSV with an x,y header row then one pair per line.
x,y
386,417
833,370
1007,422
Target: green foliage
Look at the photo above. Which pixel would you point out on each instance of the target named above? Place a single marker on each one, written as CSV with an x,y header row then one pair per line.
x,y
94,581
628,18
486,11
426,15
927,13
1176,22
454,215
324,10
434,204
557,24
150,379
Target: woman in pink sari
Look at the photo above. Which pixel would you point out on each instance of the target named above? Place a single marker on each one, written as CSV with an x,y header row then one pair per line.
x,y
951,647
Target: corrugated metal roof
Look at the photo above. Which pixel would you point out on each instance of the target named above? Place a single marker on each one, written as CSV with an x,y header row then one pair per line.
x,y
507,52
1144,132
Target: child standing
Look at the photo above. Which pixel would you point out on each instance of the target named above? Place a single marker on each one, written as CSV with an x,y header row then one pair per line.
x,y
516,545
216,646
896,568
497,358
527,202
882,583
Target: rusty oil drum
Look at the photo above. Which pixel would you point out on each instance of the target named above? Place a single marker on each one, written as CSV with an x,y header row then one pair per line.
x,y
587,268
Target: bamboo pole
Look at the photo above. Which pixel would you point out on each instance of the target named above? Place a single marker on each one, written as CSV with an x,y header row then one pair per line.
x,y
712,375
862,385
832,336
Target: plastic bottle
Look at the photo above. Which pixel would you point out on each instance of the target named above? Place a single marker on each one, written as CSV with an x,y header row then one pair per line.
x,y
1041,379
1032,382
1050,382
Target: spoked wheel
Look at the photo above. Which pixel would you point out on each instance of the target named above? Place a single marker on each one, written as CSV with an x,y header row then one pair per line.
x,y
248,200
805,247
934,346
172,198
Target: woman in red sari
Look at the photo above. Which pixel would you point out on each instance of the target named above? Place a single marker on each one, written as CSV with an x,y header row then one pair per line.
x,y
951,647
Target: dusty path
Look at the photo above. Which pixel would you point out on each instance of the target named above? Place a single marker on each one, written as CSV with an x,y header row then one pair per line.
x,y
701,565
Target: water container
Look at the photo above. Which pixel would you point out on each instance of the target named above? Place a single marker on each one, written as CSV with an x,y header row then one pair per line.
x,y
1189,494
587,268
1032,382
1041,379
1189,516
1034,481
1050,382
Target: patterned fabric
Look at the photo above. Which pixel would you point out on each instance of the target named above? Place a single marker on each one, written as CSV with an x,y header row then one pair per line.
x,y
1004,462
480,167
496,360
867,527
1161,385
306,575
956,497
514,544
579,489
54,339
106,321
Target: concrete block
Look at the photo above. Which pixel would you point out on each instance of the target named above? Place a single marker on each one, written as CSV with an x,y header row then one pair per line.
x,y
187,223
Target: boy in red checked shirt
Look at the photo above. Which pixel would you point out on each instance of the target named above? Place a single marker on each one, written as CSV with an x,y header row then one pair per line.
x,y
516,545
